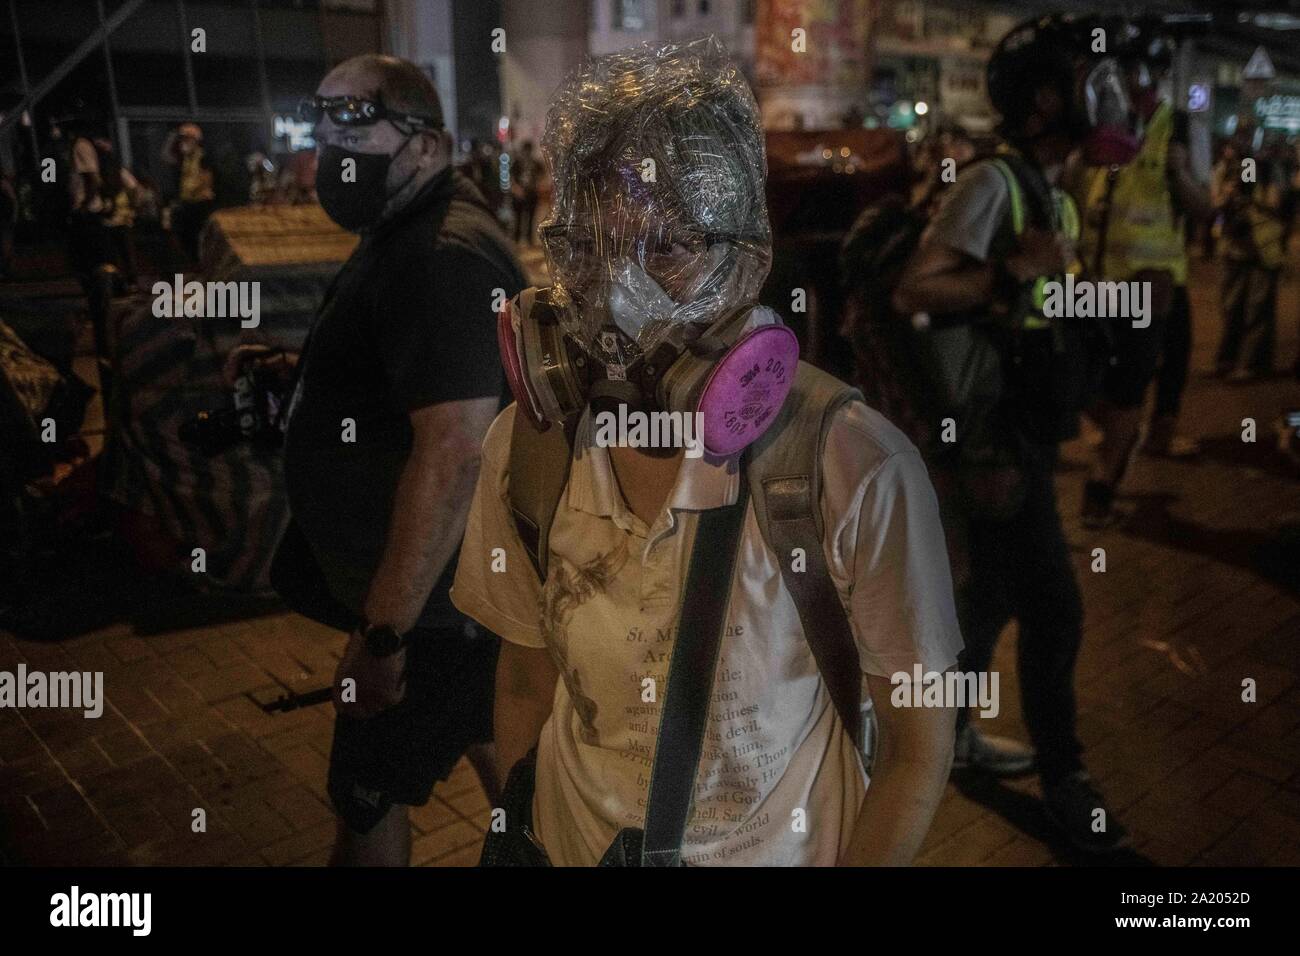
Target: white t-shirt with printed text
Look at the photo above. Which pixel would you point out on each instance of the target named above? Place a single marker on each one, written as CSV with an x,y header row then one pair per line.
x,y
780,781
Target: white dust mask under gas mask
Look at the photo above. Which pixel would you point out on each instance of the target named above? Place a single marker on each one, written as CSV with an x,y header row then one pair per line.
x,y
635,299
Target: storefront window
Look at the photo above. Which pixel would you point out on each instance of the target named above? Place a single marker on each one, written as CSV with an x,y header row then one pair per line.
x,y
629,14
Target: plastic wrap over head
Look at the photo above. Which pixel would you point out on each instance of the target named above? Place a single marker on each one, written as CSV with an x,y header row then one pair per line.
x,y
659,218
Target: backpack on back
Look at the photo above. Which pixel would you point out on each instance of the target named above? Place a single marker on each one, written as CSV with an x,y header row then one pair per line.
x,y
916,371
872,257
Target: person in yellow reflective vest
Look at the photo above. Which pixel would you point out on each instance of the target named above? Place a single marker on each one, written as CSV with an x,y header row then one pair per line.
x,y
1133,232
975,274
195,186
1257,214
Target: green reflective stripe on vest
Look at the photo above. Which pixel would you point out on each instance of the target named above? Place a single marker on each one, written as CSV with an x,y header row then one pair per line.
x,y
1068,213
1035,319
1017,202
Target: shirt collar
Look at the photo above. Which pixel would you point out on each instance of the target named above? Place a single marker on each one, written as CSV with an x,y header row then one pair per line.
x,y
702,483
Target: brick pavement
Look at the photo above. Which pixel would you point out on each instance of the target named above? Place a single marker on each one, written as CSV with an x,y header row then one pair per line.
x,y
1193,600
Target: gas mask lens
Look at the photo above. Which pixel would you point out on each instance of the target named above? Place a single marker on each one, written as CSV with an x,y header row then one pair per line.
x,y
644,282
578,253
1105,95
1110,138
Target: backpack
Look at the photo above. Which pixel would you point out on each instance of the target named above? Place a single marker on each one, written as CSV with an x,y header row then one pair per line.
x,y
783,472
916,374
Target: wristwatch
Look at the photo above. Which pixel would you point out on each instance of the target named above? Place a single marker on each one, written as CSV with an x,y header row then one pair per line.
x,y
382,640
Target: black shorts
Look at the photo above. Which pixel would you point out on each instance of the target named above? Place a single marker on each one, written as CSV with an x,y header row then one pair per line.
x,y
398,755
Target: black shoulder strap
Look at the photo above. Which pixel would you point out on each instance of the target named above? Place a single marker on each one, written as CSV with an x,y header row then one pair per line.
x,y
685,713
783,470
538,472
1103,229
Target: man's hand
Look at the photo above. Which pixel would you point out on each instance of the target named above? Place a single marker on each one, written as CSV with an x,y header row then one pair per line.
x,y
1041,253
378,682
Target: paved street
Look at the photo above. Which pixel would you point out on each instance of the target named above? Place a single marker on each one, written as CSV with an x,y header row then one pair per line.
x,y
1199,594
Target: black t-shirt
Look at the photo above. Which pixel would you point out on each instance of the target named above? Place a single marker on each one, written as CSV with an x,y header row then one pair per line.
x,y
408,323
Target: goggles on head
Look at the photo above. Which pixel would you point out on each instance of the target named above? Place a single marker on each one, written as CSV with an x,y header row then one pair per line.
x,y
359,111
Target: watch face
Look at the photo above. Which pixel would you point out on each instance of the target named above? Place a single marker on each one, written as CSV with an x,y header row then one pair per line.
x,y
382,641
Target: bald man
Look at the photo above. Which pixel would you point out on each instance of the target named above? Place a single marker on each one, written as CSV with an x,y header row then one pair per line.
x,y
397,385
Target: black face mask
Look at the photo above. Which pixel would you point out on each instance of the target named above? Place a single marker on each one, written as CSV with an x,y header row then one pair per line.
x,y
355,205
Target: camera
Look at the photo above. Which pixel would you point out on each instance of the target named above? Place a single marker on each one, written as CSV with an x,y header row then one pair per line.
x,y
253,415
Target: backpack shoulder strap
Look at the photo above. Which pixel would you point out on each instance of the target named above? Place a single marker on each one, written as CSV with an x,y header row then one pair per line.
x,y
1017,197
783,470
1037,197
539,470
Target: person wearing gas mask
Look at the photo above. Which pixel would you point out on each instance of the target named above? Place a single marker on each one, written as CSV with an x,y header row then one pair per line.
x,y
1133,220
688,622
981,266
397,384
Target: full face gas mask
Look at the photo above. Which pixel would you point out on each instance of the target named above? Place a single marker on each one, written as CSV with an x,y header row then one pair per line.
x,y
657,246
1144,89
1055,51
1109,138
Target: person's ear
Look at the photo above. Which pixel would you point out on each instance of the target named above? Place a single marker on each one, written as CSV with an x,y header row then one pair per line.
x,y
431,146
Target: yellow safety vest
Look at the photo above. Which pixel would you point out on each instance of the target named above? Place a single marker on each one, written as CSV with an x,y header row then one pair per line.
x,y
1141,229
195,181
1266,228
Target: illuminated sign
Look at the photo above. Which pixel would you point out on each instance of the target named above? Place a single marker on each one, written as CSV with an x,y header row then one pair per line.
x,y
1259,67
297,132
1279,111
